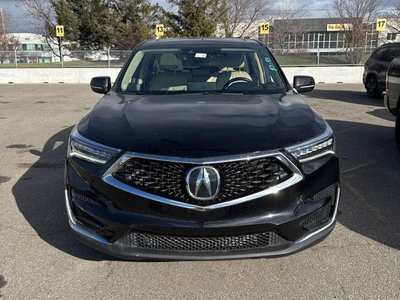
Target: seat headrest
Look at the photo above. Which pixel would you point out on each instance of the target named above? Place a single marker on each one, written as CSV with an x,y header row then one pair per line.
x,y
232,61
169,61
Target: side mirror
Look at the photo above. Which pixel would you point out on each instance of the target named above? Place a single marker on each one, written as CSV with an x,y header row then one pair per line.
x,y
303,84
101,85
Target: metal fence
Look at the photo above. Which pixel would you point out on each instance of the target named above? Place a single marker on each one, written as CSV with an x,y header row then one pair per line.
x,y
70,59
116,58
322,57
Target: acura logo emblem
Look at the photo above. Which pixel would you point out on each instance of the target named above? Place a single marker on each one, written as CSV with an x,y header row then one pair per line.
x,y
202,183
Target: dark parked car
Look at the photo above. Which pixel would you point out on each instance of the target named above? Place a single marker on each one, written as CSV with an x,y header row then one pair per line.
x,y
201,150
376,67
392,95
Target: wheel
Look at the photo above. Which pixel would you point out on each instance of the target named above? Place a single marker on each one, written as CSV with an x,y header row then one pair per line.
x,y
372,87
397,131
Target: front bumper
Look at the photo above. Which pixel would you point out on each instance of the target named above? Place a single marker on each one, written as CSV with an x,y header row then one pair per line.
x,y
386,101
123,222
118,249
390,105
278,216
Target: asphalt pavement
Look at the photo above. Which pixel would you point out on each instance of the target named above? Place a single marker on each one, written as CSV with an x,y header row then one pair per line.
x,y
39,258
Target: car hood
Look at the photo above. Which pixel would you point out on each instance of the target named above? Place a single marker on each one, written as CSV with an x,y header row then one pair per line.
x,y
201,125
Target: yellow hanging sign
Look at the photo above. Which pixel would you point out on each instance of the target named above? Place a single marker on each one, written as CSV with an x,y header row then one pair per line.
x,y
160,30
264,28
60,31
381,24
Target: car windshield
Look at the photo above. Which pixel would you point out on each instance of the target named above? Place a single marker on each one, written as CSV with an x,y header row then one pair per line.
x,y
194,70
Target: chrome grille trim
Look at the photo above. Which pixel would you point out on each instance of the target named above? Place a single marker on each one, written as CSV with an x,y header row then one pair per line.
x,y
295,178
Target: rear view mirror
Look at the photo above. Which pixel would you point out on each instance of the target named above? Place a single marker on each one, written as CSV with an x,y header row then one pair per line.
x,y
303,84
101,85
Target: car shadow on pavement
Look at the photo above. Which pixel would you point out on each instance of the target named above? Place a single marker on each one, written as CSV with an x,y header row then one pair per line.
x,y
39,195
382,113
370,202
348,96
370,176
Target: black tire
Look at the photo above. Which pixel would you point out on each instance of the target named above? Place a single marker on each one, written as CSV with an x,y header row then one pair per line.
x,y
372,87
397,131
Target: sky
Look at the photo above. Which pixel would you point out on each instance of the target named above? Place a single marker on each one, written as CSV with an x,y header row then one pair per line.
x,y
22,23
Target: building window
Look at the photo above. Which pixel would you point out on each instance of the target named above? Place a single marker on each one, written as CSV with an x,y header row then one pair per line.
x,y
391,36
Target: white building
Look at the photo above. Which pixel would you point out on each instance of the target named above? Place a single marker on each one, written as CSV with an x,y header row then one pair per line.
x,y
391,34
242,30
32,48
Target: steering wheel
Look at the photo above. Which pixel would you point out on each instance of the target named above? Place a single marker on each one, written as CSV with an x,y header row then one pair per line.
x,y
236,79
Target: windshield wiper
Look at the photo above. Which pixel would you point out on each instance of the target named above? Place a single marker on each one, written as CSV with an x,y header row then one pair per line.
x,y
211,92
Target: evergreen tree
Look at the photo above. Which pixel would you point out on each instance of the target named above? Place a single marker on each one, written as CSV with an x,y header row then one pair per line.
x,y
89,23
193,18
134,21
96,24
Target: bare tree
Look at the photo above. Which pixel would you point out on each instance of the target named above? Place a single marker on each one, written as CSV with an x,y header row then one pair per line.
x,y
394,19
8,42
239,18
356,13
288,27
43,13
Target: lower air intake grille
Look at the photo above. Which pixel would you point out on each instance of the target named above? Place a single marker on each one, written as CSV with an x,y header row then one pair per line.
x,y
319,217
86,219
329,192
78,196
201,244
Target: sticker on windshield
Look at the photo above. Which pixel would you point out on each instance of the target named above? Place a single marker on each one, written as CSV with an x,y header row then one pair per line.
x,y
271,66
200,55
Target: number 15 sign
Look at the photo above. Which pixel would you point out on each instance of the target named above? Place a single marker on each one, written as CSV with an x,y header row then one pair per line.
x,y
264,28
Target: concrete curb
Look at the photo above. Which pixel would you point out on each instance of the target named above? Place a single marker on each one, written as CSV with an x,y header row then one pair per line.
x,y
334,74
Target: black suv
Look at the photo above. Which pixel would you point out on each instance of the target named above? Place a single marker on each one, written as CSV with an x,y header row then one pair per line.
x,y
392,95
201,150
376,67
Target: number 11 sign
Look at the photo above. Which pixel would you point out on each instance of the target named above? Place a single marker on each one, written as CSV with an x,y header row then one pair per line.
x,y
60,31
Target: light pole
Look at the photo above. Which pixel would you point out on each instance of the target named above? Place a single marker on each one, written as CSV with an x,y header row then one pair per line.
x,y
61,54
15,57
3,26
319,34
108,57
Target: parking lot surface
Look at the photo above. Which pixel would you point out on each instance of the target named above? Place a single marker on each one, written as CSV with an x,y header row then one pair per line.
x,y
40,259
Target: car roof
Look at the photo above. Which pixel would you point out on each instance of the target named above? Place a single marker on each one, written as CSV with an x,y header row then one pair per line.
x,y
390,45
201,41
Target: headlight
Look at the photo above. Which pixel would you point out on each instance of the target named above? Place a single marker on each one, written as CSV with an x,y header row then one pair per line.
x,y
88,150
320,146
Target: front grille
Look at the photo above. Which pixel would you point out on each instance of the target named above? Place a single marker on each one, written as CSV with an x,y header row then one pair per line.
x,y
238,178
201,244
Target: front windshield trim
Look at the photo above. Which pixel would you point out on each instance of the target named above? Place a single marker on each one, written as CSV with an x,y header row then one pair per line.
x,y
253,92
238,49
